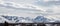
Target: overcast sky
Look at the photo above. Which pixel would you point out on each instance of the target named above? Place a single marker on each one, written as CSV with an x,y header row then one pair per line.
x,y
14,6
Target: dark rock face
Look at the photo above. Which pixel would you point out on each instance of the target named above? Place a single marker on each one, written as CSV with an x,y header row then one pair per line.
x,y
5,24
41,25
1,24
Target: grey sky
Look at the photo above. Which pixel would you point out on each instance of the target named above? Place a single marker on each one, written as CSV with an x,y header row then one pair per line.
x,y
13,6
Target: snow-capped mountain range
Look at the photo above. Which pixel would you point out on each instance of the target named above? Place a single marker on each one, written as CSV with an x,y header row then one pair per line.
x,y
16,19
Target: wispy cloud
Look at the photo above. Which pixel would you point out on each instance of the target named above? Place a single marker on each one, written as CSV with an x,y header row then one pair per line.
x,y
12,8
43,5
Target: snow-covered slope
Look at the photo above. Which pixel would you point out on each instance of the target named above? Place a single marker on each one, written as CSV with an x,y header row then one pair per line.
x,y
38,19
53,18
16,19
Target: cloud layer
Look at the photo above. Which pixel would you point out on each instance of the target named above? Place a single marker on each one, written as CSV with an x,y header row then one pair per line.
x,y
34,6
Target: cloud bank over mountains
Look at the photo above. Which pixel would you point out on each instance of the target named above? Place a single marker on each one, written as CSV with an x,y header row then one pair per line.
x,y
30,8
